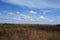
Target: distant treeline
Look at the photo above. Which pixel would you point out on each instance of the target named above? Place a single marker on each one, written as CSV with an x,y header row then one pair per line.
x,y
58,25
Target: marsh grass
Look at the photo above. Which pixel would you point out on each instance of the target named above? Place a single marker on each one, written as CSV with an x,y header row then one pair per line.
x,y
54,38
29,32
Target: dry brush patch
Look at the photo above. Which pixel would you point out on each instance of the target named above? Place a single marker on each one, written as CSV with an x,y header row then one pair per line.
x,y
25,33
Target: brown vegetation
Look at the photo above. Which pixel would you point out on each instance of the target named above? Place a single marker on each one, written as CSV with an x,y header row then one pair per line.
x,y
29,32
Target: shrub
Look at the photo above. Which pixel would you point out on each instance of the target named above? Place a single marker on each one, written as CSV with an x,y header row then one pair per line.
x,y
54,38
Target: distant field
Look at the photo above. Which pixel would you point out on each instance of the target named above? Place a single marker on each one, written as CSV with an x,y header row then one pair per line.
x,y
29,32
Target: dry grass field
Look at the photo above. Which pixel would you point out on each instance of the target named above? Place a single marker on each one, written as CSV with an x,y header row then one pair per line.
x,y
29,32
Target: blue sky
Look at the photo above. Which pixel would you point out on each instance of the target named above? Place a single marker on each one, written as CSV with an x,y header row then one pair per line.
x,y
30,11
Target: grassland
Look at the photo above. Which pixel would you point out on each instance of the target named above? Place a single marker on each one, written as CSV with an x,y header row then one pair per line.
x,y
29,32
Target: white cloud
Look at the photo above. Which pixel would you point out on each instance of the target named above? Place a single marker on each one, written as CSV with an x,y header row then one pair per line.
x,y
44,19
18,12
10,13
19,16
51,20
28,3
24,17
32,12
27,18
58,18
34,3
1,15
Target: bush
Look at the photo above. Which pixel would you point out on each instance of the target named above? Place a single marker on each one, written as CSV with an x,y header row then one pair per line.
x,y
54,38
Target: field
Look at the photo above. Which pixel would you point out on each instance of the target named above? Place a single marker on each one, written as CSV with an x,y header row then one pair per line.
x,y
29,32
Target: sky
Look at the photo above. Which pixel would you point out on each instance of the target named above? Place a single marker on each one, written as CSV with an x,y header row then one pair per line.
x,y
30,11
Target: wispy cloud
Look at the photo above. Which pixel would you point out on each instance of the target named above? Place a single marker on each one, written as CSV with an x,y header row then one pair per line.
x,y
58,18
10,14
35,3
26,18
46,11
18,12
1,16
23,17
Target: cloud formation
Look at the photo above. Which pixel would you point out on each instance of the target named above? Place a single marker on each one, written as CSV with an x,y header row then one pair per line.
x,y
46,11
26,18
10,14
23,17
1,16
44,19
17,17
32,12
18,12
35,3
58,18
